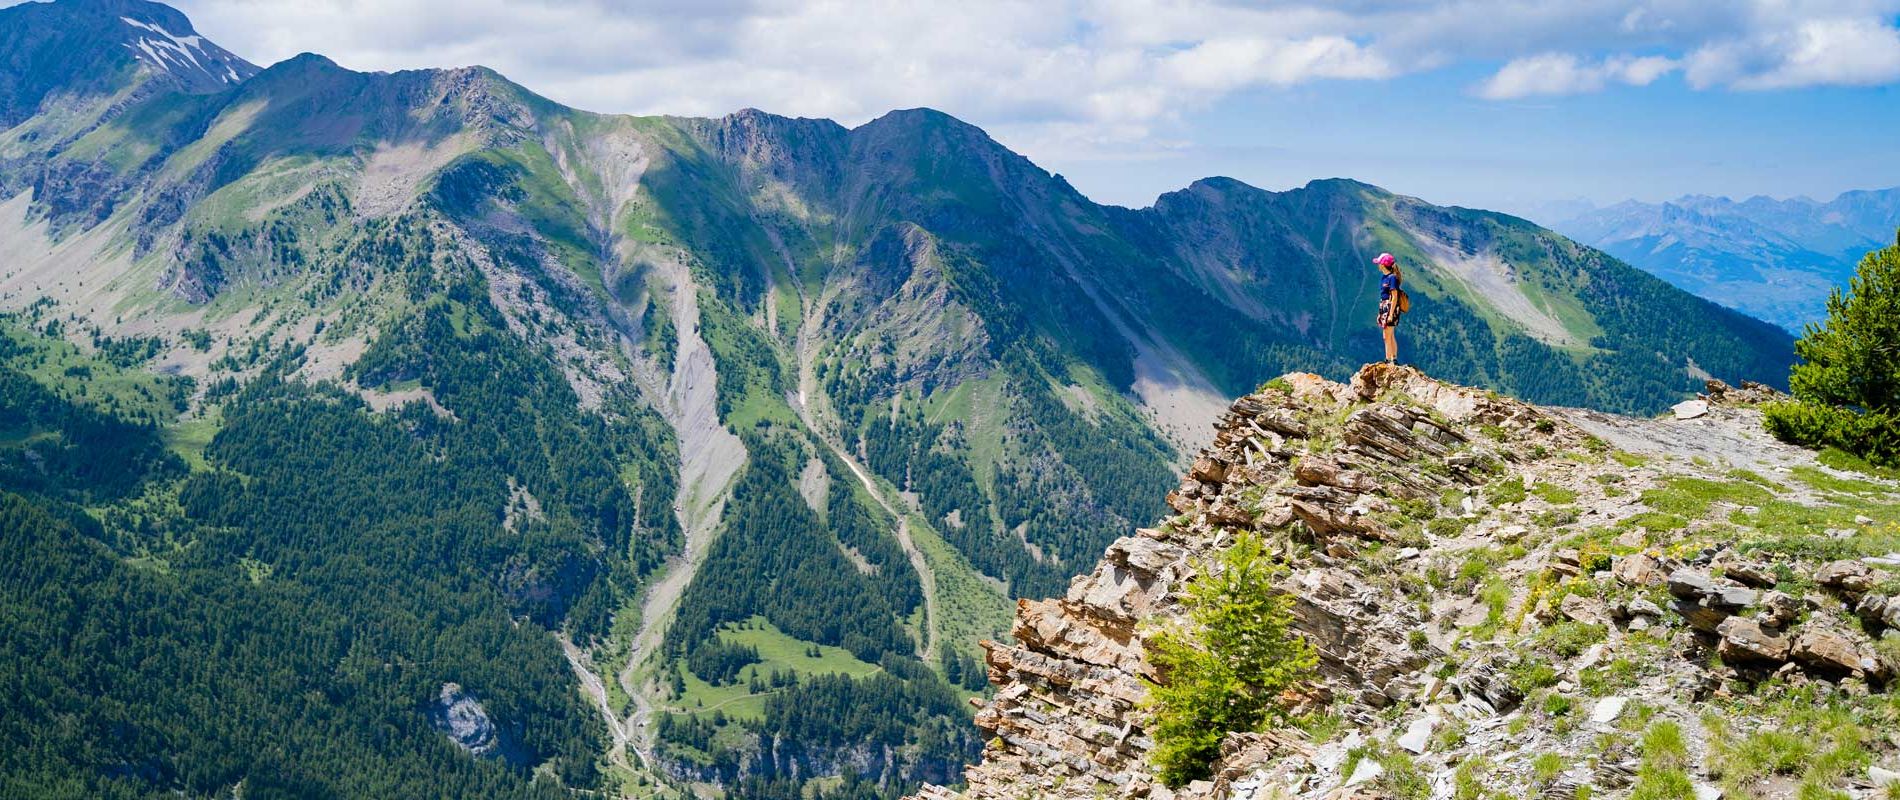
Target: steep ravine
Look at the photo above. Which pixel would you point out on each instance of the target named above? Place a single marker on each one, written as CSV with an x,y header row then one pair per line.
x,y
1506,601
710,456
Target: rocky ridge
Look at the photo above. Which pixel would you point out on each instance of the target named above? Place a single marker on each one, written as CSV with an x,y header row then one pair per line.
x,y
1504,603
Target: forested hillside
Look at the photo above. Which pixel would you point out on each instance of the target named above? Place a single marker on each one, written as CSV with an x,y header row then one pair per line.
x,y
471,444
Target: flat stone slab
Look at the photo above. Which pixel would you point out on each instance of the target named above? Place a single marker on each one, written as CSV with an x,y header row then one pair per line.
x,y
1367,771
1690,409
1608,709
1418,735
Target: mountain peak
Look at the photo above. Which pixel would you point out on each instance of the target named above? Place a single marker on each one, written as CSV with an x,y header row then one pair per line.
x,y
96,47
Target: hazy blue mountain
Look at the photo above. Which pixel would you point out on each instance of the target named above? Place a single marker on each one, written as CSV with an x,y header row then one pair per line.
x,y
1773,259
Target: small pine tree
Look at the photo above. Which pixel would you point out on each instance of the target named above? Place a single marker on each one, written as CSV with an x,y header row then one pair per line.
x,y
1226,670
1847,386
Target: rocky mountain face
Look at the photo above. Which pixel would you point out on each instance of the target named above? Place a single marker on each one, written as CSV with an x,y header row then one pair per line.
x,y
1506,601
1773,259
834,395
65,58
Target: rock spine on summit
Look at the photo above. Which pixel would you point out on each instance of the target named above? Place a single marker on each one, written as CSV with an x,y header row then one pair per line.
x,y
1335,475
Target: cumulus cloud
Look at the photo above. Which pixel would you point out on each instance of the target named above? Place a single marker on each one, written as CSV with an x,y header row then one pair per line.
x,y
1564,73
1074,73
1844,51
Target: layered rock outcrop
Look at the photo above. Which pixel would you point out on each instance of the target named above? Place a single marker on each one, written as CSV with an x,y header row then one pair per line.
x,y
1482,580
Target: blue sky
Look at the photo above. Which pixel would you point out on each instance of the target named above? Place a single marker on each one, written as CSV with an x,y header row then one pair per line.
x,y
1508,104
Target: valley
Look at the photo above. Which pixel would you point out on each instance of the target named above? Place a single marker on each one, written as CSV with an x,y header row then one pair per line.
x,y
703,453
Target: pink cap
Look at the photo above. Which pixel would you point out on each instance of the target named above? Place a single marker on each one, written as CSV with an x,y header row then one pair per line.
x,y
1385,260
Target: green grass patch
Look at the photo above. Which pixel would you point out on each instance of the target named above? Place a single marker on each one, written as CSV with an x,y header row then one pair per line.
x,y
1554,494
1656,522
1844,461
89,379
1792,528
1692,497
972,607
189,438
1508,490
777,651
1628,459
1815,741
1663,774
1822,481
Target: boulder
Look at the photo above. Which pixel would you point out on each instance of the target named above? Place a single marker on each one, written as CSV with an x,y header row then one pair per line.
x,y
1879,609
1587,610
1566,562
1744,640
1749,574
1690,409
1209,470
1608,709
1835,652
1319,470
1882,777
1366,771
1327,520
1778,609
1418,735
1699,616
1732,597
1689,584
1229,514
1847,576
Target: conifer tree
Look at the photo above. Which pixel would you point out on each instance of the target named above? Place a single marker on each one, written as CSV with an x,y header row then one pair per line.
x,y
1227,671
1847,385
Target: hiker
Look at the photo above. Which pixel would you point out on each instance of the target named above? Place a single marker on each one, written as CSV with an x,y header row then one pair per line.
x,y
1392,303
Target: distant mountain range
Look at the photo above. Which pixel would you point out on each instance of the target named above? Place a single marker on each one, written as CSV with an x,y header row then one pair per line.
x,y
410,434
1773,259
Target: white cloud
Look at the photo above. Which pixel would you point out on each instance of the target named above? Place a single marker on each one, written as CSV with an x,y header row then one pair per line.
x,y
1563,73
1074,74
1844,51
1227,63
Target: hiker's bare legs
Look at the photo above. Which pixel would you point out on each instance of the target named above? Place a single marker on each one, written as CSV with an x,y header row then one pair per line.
x,y
1391,344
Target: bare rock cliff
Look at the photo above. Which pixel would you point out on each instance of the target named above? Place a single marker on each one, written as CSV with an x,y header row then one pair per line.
x,y
1506,601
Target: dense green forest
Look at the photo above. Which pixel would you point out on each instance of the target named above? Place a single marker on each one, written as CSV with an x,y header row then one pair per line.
x,y
282,615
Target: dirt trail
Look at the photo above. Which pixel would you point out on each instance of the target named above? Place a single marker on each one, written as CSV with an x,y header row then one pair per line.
x,y
925,578
596,692
801,402
1731,436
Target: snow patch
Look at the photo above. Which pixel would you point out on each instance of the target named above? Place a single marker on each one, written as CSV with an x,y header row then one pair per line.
x,y
169,52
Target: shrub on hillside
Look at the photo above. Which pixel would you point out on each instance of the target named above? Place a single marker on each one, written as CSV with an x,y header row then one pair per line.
x,y
1227,669
1871,435
1847,385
